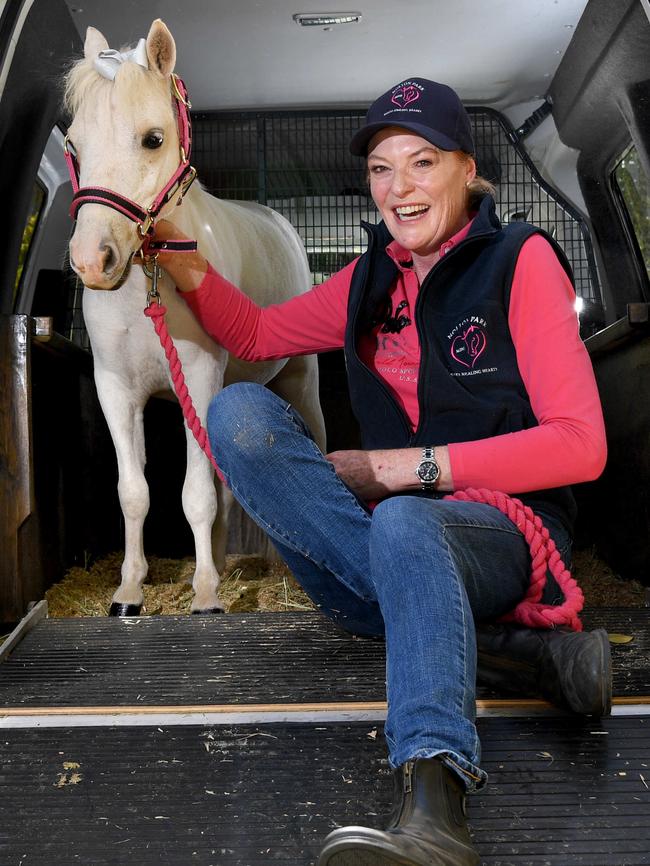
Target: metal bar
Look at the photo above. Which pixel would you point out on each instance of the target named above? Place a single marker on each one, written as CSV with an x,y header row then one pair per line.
x,y
16,471
37,614
265,713
262,196
611,337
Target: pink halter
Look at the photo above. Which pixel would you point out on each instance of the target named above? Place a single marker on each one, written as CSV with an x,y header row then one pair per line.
x,y
181,181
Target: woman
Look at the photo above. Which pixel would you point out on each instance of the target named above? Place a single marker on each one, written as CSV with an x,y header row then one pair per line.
x,y
465,370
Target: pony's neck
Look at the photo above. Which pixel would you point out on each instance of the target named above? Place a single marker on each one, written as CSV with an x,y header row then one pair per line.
x,y
197,217
188,216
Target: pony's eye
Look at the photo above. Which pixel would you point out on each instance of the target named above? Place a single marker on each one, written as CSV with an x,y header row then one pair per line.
x,y
152,140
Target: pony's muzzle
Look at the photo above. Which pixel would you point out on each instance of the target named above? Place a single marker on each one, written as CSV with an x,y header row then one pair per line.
x,y
100,268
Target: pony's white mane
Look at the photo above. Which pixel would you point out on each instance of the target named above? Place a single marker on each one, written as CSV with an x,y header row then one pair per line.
x,y
82,81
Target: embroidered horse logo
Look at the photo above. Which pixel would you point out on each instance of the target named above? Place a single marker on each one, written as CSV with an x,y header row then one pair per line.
x,y
404,95
468,347
394,324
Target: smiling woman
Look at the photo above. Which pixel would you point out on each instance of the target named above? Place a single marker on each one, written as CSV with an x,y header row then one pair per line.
x,y
456,376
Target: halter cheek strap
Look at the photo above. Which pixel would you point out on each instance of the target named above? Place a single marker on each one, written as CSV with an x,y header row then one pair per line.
x,y
179,183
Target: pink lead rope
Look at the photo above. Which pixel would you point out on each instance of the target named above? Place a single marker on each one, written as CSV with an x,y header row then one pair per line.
x,y
544,555
156,312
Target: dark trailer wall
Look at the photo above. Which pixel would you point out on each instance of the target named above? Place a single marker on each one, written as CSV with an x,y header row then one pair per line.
x,y
601,105
56,461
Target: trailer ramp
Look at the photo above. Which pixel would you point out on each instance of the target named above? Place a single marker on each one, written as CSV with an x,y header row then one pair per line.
x,y
244,739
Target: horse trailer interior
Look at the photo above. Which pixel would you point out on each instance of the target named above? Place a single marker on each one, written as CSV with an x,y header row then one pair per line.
x,y
179,739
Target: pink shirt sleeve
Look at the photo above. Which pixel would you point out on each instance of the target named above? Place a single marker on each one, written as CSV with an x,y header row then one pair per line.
x,y
311,322
569,445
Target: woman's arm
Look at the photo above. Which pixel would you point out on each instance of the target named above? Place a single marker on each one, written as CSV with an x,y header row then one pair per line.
x,y
569,445
376,474
311,322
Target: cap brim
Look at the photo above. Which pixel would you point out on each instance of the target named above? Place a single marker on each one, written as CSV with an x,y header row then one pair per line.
x,y
361,139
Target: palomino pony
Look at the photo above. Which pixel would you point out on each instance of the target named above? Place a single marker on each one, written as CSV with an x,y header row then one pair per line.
x,y
126,139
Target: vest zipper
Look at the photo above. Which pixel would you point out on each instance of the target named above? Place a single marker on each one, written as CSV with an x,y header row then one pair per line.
x,y
411,436
418,324
379,381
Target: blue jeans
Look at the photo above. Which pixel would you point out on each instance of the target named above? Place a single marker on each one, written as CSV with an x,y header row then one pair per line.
x,y
417,571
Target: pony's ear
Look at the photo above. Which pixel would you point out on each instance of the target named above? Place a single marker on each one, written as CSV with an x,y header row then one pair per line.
x,y
95,42
161,49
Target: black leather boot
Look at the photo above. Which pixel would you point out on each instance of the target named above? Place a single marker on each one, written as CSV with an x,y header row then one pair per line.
x,y
428,826
571,669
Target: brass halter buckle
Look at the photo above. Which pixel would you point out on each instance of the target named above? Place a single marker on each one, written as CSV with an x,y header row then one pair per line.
x,y
177,93
145,228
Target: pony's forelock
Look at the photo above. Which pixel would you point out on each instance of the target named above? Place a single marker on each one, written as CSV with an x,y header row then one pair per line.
x,y
78,82
82,81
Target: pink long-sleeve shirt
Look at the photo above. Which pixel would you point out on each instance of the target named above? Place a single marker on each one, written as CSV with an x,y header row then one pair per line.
x,y
569,444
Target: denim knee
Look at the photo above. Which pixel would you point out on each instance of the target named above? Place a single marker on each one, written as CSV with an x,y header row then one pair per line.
x,y
237,419
400,527
397,519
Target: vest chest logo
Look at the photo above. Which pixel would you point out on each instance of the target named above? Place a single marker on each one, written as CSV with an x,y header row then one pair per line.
x,y
468,346
468,341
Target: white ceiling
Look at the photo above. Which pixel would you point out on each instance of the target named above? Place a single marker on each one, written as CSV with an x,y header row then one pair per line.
x,y
251,54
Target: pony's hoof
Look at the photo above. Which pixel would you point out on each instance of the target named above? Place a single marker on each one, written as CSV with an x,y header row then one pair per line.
x,y
119,609
208,610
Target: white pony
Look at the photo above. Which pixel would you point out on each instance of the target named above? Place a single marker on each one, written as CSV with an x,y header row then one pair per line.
x,y
126,139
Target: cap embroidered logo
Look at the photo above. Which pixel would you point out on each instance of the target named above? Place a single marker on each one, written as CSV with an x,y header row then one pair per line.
x,y
404,95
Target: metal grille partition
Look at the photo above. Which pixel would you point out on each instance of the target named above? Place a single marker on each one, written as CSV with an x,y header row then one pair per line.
x,y
296,163
299,164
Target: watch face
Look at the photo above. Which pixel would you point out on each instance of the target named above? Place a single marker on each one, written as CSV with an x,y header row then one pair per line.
x,y
428,471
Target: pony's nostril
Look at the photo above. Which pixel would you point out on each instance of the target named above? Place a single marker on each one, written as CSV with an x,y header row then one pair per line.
x,y
109,257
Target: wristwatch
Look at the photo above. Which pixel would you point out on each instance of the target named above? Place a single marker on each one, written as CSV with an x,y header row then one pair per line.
x,y
428,470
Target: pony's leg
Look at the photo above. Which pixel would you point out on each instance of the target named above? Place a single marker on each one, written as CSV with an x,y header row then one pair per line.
x,y
123,415
297,383
225,501
200,507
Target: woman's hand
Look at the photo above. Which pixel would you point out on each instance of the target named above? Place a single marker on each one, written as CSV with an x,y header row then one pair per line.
x,y
376,474
186,269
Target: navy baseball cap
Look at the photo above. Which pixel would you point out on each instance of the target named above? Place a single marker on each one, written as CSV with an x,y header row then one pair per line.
x,y
430,110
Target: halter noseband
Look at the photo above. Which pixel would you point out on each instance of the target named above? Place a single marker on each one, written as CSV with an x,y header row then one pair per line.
x,y
180,181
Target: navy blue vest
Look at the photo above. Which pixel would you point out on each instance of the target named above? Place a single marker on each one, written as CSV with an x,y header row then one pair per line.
x,y
469,386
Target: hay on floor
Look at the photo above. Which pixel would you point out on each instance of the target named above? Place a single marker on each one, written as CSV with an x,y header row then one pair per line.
x,y
251,583
248,583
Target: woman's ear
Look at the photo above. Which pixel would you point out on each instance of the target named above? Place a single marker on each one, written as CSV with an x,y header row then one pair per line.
x,y
470,169
161,49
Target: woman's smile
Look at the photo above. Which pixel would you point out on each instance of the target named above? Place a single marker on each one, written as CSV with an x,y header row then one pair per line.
x,y
410,212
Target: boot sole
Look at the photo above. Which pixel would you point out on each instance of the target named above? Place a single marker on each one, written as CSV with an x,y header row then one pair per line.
x,y
363,851
605,707
358,857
